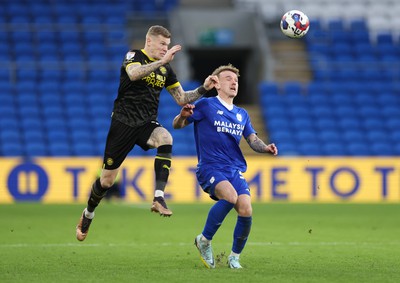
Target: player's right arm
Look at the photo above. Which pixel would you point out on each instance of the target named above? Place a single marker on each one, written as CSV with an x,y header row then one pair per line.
x,y
137,71
180,120
183,97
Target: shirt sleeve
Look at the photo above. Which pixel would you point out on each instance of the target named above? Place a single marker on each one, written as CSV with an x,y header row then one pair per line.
x,y
248,128
171,80
198,110
132,57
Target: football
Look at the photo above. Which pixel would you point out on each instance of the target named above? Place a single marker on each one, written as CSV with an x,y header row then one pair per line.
x,y
295,24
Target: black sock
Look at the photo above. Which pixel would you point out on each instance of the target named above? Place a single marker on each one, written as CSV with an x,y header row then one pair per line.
x,y
96,194
162,164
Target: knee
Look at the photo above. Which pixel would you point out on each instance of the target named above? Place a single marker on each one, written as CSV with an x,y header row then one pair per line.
x,y
232,198
106,182
163,138
167,139
245,211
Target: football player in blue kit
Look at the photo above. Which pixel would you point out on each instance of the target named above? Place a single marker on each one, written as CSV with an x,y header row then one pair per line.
x,y
218,128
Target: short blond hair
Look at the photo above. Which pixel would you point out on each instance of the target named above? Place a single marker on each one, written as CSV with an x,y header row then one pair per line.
x,y
228,67
158,30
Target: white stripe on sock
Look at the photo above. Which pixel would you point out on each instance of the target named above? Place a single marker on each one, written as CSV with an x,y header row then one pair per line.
x,y
88,214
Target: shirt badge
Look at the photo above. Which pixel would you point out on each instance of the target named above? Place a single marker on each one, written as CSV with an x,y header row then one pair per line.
x,y
130,55
163,70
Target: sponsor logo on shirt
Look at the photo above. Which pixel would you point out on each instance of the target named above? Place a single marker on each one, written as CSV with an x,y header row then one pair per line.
x,y
227,127
155,80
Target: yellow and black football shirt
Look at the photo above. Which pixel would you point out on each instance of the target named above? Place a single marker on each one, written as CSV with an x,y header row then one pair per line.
x,y
137,101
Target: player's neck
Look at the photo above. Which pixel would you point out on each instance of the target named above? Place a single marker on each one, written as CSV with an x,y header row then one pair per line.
x,y
148,54
227,100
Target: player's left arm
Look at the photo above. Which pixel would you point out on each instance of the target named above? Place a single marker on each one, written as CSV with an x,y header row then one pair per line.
x,y
180,121
259,146
184,97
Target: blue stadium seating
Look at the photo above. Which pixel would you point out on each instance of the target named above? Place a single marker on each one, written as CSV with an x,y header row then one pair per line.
x,y
41,102
67,108
344,109
331,148
12,149
353,103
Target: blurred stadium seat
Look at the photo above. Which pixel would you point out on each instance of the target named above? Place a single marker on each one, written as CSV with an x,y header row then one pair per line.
x,y
51,104
353,99
353,95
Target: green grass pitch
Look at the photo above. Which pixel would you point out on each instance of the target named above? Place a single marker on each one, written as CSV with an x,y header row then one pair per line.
x,y
127,243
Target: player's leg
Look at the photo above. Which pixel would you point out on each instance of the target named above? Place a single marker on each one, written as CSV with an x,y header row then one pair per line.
x,y
244,219
97,193
161,139
120,140
242,229
227,196
100,188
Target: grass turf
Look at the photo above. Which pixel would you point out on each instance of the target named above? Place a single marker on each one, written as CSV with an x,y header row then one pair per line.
x,y
126,243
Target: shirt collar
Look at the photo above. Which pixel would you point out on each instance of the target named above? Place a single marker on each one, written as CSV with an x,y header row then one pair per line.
x,y
227,106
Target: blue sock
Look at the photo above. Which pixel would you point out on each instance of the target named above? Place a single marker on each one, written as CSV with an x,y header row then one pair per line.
x,y
241,233
216,216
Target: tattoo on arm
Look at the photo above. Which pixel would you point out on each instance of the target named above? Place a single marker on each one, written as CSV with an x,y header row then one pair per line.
x,y
193,95
137,72
257,144
184,97
179,95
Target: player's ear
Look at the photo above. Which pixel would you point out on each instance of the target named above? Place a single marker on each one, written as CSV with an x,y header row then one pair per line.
x,y
148,40
215,79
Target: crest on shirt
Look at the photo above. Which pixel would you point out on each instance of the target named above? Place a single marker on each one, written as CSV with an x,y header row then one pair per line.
x,y
239,117
163,70
220,112
130,55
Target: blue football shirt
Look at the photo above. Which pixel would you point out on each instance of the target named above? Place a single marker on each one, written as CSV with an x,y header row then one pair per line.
x,y
217,131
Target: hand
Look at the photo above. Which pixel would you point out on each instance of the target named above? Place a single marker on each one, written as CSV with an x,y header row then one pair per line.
x,y
169,56
272,149
210,82
187,110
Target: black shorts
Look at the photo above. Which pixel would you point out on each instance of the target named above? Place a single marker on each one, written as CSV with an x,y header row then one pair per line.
x,y
122,138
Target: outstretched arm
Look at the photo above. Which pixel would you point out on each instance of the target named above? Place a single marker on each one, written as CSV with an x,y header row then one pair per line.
x,y
137,71
259,146
180,120
184,97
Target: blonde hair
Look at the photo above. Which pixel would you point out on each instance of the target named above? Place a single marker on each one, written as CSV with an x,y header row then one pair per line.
x,y
228,67
158,30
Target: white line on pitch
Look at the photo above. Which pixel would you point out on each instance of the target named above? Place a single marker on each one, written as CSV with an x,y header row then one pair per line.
x,y
88,245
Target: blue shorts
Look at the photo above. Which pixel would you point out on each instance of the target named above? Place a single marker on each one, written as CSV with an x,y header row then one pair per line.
x,y
208,178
